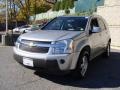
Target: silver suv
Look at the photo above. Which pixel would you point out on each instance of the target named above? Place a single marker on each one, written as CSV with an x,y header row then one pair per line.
x,y
65,43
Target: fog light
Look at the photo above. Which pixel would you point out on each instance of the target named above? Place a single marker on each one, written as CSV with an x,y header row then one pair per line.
x,y
62,61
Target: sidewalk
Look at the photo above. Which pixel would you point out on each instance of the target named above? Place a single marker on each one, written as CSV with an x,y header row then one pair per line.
x,y
115,36
115,47
1,45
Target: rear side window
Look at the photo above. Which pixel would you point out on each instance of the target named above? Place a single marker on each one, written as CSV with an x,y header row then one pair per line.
x,y
102,24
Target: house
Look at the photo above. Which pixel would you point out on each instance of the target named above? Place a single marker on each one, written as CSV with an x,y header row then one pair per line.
x,y
79,6
87,5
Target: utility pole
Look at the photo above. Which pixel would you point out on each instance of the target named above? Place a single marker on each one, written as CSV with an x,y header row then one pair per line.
x,y
4,37
6,16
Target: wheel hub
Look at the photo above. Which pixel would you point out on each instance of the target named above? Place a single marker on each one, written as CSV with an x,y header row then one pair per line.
x,y
84,65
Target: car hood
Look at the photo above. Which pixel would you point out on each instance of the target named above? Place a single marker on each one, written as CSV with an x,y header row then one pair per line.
x,y
50,35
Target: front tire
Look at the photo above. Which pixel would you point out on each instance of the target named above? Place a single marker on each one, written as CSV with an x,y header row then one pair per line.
x,y
83,63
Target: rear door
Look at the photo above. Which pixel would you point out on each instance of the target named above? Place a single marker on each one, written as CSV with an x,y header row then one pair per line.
x,y
104,33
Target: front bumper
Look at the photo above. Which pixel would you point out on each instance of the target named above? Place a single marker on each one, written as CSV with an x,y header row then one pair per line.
x,y
39,63
62,62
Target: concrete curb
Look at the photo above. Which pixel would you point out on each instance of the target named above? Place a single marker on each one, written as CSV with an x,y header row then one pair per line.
x,y
115,47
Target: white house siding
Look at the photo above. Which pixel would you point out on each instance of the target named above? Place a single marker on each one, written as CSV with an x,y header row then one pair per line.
x,y
111,12
51,14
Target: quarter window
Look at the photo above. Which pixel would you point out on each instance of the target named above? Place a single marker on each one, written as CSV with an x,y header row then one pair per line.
x,y
94,23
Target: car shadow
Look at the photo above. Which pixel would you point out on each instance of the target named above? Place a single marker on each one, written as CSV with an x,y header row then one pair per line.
x,y
102,73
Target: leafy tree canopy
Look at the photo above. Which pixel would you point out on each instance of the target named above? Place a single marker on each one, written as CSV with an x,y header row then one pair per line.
x,y
23,9
63,5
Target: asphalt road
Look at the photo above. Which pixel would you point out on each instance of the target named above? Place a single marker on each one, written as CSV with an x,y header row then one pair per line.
x,y
103,74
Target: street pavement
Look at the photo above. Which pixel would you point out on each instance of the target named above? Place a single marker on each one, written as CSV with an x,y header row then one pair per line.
x,y
115,35
103,74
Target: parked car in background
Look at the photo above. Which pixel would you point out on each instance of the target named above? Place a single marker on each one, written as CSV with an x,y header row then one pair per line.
x,y
66,43
26,28
21,28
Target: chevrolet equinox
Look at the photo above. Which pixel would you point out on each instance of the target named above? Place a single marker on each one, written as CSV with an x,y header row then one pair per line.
x,y
66,43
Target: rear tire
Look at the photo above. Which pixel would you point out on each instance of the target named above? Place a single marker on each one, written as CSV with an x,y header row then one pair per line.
x,y
23,32
82,66
107,51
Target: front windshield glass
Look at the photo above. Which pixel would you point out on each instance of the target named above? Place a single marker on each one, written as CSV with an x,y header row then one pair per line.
x,y
67,23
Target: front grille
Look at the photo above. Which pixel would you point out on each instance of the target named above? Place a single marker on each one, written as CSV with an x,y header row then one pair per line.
x,y
36,47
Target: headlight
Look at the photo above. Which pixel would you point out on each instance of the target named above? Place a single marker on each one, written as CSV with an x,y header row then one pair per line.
x,y
17,43
63,47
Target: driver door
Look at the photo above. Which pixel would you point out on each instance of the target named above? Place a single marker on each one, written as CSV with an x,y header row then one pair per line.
x,y
95,38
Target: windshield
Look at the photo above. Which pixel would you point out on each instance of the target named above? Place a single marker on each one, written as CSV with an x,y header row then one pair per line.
x,y
67,23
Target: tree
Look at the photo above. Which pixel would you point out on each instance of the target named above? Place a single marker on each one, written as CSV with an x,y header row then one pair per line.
x,y
2,13
57,6
67,11
31,7
71,3
23,9
63,5
11,9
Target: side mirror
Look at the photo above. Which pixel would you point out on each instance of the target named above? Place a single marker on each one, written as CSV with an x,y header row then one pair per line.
x,y
96,30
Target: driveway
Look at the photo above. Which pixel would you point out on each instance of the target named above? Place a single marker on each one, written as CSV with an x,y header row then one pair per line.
x,y
103,74
115,35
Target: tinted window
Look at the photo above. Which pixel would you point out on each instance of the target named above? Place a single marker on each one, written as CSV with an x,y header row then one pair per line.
x,y
67,23
94,23
102,24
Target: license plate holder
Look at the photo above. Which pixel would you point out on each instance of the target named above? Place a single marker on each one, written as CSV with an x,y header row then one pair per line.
x,y
28,62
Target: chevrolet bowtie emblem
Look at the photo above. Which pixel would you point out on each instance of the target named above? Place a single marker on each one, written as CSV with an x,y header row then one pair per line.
x,y
31,44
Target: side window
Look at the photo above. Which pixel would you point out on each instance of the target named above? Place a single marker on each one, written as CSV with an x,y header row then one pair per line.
x,y
94,23
102,24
